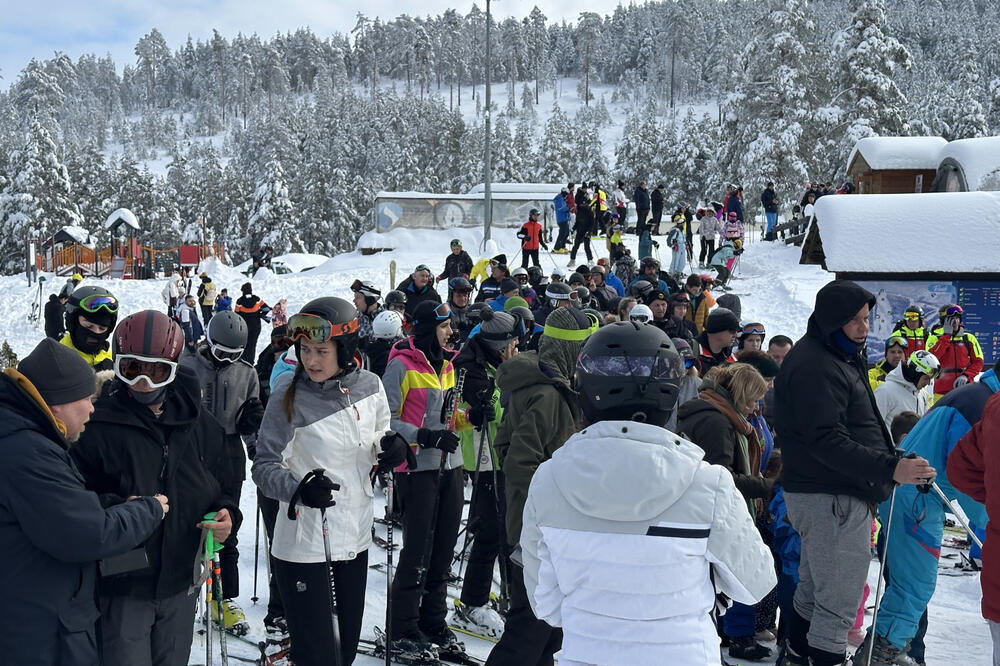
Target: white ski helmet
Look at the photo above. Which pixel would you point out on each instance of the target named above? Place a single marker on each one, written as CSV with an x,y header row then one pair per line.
x,y
387,325
641,314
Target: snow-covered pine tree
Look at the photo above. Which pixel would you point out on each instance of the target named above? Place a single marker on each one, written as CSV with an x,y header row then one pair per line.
x,y
37,201
555,154
690,159
590,162
770,117
874,103
962,113
273,220
635,155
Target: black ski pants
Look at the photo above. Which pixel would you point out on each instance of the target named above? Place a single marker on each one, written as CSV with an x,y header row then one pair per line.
x,y
654,227
526,640
529,254
269,512
206,314
707,249
582,238
229,556
488,536
416,604
310,624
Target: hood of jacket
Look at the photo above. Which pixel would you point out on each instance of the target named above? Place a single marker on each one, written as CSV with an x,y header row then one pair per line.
x,y
836,304
896,377
407,350
22,408
525,370
475,354
660,468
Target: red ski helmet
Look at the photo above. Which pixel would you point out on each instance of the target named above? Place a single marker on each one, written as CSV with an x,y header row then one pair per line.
x,y
151,334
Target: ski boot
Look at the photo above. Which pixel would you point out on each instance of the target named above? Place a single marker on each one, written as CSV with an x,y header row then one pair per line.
x,y
413,648
792,658
449,648
884,653
745,647
479,620
233,619
275,653
275,626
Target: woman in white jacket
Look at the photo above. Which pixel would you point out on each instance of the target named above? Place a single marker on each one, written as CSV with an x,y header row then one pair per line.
x,y
626,527
328,415
904,387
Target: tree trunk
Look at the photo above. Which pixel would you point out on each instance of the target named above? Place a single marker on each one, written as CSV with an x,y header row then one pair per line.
x,y
673,59
586,88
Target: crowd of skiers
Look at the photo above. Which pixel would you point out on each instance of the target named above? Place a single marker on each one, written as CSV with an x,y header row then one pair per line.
x,y
652,475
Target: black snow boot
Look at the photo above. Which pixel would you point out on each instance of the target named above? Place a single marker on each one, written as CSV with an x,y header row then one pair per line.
x,y
745,647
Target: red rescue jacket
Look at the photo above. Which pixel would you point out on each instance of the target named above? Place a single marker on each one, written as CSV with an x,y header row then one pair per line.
x,y
530,235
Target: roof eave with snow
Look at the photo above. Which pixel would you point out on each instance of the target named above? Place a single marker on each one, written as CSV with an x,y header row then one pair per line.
x,y
899,152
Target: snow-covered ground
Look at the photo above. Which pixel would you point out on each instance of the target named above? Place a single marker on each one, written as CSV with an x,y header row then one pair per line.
x,y
774,289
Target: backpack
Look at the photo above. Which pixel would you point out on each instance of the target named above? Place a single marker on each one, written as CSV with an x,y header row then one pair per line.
x,y
624,268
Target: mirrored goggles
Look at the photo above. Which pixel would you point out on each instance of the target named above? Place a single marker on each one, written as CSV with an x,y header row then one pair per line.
x,y
954,310
316,329
96,302
157,372
753,329
912,316
651,367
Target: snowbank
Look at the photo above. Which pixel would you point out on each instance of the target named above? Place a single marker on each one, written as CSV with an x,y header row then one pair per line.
x,y
295,261
979,160
872,232
899,152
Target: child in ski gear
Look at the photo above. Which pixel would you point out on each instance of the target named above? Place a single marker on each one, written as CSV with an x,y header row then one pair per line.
x,y
678,247
973,468
958,350
387,330
417,381
332,415
530,235
253,309
55,530
279,313
733,229
151,407
91,315
542,412
652,511
835,450
708,230
70,286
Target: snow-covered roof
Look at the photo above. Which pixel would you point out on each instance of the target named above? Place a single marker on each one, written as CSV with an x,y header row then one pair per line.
x,y
526,195
979,159
899,152
123,214
79,234
500,188
859,230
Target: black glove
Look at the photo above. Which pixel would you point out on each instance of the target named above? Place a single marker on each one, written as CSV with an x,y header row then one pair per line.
x,y
482,414
317,492
444,440
249,416
395,451
252,450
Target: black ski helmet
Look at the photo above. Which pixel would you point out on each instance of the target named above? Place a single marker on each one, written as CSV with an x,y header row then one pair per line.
x,y
475,312
394,297
342,315
100,307
640,289
628,372
227,330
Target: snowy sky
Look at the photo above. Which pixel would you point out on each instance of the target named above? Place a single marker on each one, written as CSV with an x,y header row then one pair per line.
x,y
32,29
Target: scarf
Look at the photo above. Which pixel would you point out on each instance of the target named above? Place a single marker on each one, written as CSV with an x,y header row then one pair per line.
x,y
749,442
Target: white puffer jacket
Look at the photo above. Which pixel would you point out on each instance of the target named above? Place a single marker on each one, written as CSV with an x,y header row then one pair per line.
x,y
337,426
621,528
896,395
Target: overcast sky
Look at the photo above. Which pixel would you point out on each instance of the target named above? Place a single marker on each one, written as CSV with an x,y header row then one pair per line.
x,y
36,28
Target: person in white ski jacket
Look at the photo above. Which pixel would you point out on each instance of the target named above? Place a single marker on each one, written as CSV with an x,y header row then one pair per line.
x,y
903,389
626,527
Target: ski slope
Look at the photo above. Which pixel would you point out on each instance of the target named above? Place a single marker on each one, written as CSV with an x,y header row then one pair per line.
x,y
774,290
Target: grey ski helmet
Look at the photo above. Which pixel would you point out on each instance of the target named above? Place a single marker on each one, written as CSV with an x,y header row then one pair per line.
x,y
227,336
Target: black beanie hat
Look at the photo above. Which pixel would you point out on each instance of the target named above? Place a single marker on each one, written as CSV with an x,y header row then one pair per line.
x,y
59,373
508,284
721,319
425,321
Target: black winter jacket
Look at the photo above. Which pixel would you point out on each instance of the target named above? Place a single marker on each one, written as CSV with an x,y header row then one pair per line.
x,y
656,199
641,198
52,533
474,357
415,297
769,199
55,321
832,437
126,450
457,265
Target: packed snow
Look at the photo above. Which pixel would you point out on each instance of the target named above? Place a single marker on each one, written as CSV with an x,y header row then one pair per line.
x,y
774,290
899,152
979,159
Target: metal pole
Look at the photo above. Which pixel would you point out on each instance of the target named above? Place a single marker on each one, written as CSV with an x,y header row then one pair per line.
x,y
487,165
944,498
881,576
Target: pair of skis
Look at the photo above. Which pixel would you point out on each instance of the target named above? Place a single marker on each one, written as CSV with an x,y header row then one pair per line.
x,y
378,648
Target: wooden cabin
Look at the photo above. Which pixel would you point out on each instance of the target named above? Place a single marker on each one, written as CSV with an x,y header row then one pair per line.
x,y
895,164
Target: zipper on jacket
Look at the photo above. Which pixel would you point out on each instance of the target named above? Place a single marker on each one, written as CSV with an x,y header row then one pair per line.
x,y
162,478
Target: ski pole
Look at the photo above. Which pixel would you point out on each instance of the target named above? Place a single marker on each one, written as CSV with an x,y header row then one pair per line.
x,y
217,593
964,523
208,599
388,484
256,555
472,501
881,573
500,503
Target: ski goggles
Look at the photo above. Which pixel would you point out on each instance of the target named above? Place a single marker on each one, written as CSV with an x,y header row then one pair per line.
x,y
649,367
422,268
96,302
224,354
753,329
954,311
157,372
365,289
442,312
318,330
912,316
396,307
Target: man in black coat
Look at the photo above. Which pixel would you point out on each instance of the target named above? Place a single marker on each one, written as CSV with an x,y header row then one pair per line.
x,y
839,460
656,200
769,200
418,288
53,531
145,439
456,264
55,316
641,199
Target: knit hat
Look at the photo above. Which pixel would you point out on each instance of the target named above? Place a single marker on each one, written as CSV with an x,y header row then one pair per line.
x,y
508,284
721,319
513,302
500,259
575,278
733,216
59,373
497,329
731,302
565,331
